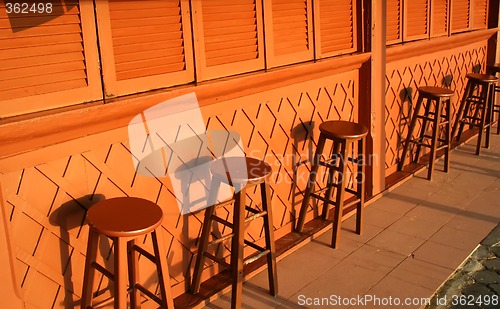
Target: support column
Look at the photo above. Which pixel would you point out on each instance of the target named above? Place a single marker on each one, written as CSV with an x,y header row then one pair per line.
x,y
378,80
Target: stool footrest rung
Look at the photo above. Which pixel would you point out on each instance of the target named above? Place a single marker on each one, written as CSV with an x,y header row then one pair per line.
x,y
222,221
257,215
220,239
150,294
217,260
256,247
146,254
255,257
353,202
103,270
351,191
469,123
441,147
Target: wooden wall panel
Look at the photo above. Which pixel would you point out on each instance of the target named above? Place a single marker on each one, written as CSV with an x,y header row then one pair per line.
x,y
47,202
415,72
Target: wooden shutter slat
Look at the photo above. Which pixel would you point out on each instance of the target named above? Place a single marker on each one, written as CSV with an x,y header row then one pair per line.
x,y
39,51
40,31
231,58
480,10
144,5
229,39
336,26
42,89
154,21
172,39
289,25
146,45
393,26
41,60
41,79
40,41
460,15
34,21
41,69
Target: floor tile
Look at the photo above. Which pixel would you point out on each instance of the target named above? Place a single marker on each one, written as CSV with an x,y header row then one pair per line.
x,y
441,255
420,273
396,292
396,242
460,239
414,227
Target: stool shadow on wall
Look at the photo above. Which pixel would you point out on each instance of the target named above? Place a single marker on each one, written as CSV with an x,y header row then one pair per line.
x,y
303,154
405,114
69,216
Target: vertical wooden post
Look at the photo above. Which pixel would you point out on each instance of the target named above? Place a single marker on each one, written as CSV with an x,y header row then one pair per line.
x,y
377,121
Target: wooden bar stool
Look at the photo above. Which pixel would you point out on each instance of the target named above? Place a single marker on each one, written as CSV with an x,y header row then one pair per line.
x,y
123,220
233,172
493,70
343,134
440,96
476,109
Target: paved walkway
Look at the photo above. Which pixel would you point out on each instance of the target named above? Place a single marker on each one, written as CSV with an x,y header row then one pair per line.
x,y
415,237
476,283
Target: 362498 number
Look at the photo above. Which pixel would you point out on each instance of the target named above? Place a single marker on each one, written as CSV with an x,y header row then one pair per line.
x,y
471,300
28,8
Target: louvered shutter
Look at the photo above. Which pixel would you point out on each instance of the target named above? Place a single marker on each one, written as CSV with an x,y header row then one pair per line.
x,y
289,35
144,44
479,14
335,27
416,20
393,23
460,15
439,17
48,60
228,37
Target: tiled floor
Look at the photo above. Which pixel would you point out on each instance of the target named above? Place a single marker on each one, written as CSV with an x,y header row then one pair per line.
x,y
415,236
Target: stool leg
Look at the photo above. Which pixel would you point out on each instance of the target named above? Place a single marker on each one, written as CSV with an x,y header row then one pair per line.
x,y
269,234
435,136
120,272
482,123
331,174
237,246
413,123
310,183
464,110
423,130
461,109
88,277
205,234
448,135
162,270
489,113
133,275
339,201
360,186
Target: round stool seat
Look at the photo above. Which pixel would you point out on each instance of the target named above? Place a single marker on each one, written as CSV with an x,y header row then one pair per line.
x,y
436,92
338,129
240,170
124,216
485,78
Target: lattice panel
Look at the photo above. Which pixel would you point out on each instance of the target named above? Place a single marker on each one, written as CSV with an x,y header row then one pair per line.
x,y
48,202
422,72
